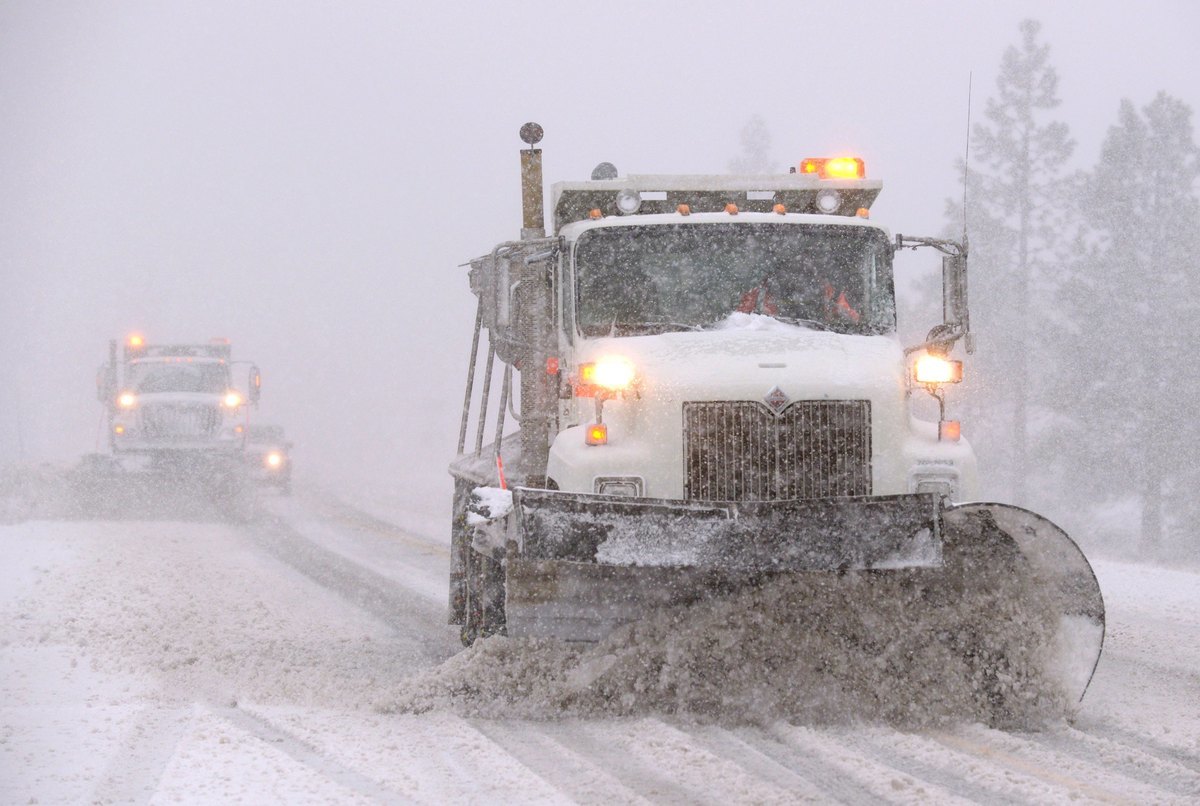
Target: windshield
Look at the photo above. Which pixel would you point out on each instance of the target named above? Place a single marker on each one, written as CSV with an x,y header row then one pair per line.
x,y
652,279
151,377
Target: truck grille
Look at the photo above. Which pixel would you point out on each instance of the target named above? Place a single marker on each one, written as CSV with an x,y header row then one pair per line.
x,y
178,421
740,451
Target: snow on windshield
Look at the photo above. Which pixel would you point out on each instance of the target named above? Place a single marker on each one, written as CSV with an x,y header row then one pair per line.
x,y
178,376
687,276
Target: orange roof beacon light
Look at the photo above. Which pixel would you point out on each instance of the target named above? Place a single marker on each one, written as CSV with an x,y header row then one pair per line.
x,y
834,167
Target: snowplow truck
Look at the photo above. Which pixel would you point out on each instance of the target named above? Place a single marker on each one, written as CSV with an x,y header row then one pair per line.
x,y
711,395
176,427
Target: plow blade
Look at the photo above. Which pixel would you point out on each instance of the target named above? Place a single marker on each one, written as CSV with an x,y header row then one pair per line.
x,y
587,563
1006,593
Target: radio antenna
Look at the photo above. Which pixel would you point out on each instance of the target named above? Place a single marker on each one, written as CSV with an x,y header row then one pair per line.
x,y
967,157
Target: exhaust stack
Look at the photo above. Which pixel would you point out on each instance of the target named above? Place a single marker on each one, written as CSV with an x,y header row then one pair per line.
x,y
533,223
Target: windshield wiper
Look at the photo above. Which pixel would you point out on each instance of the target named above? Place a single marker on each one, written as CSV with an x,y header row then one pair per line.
x,y
654,328
795,320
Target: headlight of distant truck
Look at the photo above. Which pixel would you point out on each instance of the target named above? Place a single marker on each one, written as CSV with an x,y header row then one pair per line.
x,y
933,369
273,460
231,400
610,374
126,400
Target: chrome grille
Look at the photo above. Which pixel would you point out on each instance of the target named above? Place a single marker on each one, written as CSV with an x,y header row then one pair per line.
x,y
179,421
740,451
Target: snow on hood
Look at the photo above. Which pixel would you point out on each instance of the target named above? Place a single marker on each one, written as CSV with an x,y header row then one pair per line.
x,y
752,350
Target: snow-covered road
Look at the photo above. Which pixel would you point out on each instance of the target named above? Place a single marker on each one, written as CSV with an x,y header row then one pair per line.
x,y
164,661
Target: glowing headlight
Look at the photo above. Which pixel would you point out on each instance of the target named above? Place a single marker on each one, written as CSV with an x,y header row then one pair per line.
x,y
933,369
613,373
127,400
273,460
231,400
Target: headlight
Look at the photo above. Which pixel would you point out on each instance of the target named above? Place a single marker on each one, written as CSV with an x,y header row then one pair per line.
x,y
273,460
127,400
231,400
933,369
629,486
610,374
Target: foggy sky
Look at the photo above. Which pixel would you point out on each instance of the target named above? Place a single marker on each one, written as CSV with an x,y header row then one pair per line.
x,y
306,178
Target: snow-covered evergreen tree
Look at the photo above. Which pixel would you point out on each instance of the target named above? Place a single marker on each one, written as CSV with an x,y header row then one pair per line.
x,y
1017,216
756,149
1135,372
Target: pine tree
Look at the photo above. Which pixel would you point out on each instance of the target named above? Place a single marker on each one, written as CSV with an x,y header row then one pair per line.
x,y
1016,216
756,149
1136,302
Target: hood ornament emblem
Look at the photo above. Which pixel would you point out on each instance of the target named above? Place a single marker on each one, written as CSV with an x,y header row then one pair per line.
x,y
776,400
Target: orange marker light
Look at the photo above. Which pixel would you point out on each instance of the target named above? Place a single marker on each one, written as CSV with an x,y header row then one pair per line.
x,y
595,213
950,430
780,209
597,434
119,429
863,212
731,208
684,209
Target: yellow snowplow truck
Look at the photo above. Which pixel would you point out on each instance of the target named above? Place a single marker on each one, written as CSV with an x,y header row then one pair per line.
x,y
711,397
176,426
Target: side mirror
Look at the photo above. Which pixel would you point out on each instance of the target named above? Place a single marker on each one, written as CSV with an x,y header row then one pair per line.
x,y
106,384
254,385
955,311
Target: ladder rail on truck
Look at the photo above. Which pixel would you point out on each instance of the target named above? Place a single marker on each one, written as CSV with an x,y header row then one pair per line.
x,y
666,465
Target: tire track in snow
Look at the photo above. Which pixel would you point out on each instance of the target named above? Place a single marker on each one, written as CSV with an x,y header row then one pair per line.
x,y
306,754
605,743
1003,751
398,607
850,776
136,768
568,771
925,760
751,757
1137,759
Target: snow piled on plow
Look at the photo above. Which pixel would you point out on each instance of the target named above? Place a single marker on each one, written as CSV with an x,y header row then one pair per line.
x,y
814,648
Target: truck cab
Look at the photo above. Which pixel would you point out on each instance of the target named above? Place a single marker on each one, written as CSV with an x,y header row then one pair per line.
x,y
175,398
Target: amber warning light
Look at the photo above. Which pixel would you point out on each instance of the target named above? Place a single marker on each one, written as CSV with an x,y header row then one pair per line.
x,y
834,167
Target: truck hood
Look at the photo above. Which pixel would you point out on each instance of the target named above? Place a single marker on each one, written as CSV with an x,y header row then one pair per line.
x,y
194,398
747,355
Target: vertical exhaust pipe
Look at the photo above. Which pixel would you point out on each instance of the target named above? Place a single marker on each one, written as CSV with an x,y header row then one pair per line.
x,y
533,223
